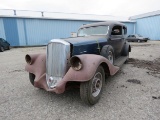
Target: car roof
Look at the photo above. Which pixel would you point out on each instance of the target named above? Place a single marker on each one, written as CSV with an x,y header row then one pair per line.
x,y
109,23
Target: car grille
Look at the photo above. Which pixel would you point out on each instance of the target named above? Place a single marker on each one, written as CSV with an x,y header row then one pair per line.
x,y
58,54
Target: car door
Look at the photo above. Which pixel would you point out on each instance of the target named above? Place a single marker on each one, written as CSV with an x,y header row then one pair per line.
x,y
117,40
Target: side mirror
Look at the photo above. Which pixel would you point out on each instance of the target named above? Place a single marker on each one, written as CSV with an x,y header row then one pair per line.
x,y
73,34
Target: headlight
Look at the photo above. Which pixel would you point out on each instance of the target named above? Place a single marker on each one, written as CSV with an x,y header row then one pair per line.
x,y
76,63
28,59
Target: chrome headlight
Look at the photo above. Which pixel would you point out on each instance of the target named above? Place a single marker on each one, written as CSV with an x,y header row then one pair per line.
x,y
28,59
76,63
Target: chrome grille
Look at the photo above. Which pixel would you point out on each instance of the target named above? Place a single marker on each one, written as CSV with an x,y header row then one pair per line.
x,y
58,54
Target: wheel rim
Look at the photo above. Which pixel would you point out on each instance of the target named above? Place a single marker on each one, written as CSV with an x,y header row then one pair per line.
x,y
96,84
110,57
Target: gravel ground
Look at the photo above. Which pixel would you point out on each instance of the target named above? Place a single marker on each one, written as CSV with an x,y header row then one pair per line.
x,y
132,94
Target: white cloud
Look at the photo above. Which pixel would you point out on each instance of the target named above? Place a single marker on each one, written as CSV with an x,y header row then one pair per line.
x,y
124,8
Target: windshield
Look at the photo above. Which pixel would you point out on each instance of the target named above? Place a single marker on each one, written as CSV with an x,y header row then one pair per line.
x,y
96,30
139,35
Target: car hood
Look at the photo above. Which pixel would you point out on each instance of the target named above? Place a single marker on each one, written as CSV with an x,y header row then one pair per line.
x,y
77,41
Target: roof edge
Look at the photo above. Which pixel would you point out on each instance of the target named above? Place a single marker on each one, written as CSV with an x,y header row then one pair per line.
x,y
154,13
57,18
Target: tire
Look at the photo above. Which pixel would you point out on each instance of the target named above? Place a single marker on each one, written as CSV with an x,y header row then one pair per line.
x,y
8,48
108,53
31,78
1,49
87,94
125,50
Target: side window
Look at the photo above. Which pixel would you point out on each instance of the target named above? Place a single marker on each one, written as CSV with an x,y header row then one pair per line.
x,y
117,30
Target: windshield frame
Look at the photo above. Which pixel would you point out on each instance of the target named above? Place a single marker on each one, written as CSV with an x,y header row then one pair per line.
x,y
93,34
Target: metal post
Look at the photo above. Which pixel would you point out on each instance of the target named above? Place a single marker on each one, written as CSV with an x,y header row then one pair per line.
x,y
14,12
134,28
42,14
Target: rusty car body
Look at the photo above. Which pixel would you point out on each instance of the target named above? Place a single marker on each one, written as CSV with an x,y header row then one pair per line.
x,y
98,51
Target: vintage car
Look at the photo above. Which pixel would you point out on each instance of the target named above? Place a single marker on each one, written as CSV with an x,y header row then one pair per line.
x,y
137,38
4,45
84,61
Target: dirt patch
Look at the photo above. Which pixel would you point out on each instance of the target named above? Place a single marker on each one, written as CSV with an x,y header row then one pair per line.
x,y
154,97
139,45
123,86
16,71
152,66
135,81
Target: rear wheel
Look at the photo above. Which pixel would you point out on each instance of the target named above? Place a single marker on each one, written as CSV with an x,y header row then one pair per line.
x,y
31,78
90,91
125,52
1,49
8,48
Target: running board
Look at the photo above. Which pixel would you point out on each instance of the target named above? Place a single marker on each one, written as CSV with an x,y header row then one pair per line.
x,y
120,61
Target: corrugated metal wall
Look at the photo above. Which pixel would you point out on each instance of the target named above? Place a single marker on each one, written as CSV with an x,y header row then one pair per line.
x,y
11,31
34,31
130,28
45,30
2,31
149,27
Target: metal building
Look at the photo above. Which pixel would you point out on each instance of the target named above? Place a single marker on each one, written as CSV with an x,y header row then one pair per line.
x,y
29,31
148,24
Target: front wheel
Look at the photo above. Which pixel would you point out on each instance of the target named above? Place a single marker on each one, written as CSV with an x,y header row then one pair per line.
x,y
90,91
108,53
31,78
110,56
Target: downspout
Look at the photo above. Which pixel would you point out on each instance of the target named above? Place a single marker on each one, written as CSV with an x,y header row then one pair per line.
x,y
134,29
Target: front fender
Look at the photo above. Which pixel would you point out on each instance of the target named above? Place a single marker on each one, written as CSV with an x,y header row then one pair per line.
x,y
38,68
90,64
